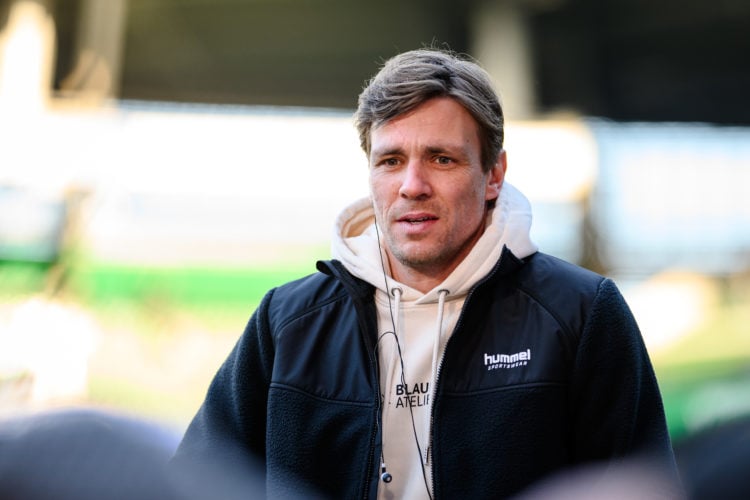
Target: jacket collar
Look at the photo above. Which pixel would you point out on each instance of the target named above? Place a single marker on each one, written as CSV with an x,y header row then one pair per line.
x,y
506,264
356,286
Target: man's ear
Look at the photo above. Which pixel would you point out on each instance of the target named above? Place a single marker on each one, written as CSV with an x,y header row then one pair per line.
x,y
496,176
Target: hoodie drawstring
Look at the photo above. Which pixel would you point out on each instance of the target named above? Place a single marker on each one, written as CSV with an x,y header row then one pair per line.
x,y
442,294
396,292
395,363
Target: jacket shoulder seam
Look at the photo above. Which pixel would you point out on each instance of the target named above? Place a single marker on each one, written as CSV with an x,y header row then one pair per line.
x,y
312,308
551,310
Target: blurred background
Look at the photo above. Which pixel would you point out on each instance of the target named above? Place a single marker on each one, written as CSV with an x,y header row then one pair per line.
x,y
163,163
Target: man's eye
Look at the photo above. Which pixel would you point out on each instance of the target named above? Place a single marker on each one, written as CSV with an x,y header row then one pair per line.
x,y
389,162
443,160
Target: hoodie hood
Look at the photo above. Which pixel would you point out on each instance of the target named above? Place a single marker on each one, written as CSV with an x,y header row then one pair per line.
x,y
356,244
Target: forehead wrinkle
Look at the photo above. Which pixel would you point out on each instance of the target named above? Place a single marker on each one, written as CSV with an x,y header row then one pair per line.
x,y
448,148
387,150
394,140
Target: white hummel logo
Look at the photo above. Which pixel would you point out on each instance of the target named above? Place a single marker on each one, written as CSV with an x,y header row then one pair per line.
x,y
497,361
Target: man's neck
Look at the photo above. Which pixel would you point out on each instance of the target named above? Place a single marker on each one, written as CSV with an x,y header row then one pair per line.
x,y
422,280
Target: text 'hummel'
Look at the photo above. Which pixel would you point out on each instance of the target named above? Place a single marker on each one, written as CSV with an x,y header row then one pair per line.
x,y
497,361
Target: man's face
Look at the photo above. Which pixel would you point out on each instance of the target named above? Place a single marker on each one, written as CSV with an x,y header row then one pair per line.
x,y
428,187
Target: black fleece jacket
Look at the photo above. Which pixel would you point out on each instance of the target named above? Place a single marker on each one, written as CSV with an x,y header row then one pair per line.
x,y
545,370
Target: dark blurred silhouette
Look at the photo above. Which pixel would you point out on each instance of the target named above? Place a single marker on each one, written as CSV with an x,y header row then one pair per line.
x,y
630,479
715,462
82,454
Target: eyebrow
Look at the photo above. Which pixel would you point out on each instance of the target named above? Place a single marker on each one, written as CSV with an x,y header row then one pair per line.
x,y
388,151
460,151
395,150
442,149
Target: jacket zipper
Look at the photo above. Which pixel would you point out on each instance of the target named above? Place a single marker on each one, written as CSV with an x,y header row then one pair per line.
x,y
459,323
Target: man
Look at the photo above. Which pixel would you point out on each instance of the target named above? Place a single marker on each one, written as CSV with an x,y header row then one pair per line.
x,y
439,354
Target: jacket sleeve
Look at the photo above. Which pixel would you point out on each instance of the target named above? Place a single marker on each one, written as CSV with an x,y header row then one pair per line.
x,y
227,435
616,406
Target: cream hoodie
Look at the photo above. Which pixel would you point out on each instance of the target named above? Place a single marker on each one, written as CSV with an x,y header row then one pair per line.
x,y
422,322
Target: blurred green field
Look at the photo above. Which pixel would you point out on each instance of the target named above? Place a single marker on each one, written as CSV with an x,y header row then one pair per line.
x,y
705,377
164,332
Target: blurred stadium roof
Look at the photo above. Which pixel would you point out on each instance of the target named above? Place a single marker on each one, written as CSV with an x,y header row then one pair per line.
x,y
670,60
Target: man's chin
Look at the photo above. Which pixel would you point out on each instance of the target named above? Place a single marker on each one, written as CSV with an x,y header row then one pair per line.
x,y
423,260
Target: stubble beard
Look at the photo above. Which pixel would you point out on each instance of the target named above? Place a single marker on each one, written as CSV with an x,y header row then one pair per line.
x,y
433,261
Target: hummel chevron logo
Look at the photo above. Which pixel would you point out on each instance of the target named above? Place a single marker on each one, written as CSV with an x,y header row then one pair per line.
x,y
499,361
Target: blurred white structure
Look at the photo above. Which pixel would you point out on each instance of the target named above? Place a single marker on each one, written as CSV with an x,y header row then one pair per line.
x,y
45,348
26,57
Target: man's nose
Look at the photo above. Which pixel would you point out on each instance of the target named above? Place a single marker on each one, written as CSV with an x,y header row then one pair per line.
x,y
415,182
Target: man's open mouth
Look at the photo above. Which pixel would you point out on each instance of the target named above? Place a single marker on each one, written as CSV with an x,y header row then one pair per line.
x,y
417,220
